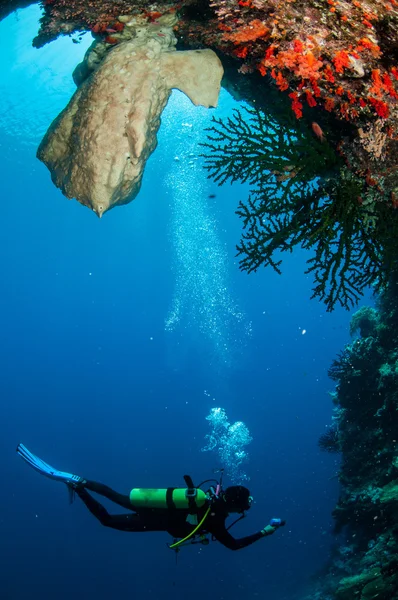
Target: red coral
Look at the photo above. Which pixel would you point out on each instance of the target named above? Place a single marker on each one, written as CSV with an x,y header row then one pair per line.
x,y
366,44
329,104
298,46
310,98
270,53
344,110
153,16
99,28
118,26
249,33
380,107
377,87
241,52
281,82
341,60
296,105
382,84
328,74
111,40
316,89
389,86
262,70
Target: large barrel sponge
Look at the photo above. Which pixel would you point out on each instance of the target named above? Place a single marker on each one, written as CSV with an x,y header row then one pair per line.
x,y
96,149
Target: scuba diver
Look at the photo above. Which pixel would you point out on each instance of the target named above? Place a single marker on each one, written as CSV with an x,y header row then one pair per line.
x,y
187,514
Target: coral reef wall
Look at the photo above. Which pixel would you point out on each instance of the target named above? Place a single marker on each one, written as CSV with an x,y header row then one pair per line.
x,y
334,66
365,431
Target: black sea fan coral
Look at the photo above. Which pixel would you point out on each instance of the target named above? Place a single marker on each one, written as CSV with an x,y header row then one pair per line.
x,y
301,195
341,366
329,441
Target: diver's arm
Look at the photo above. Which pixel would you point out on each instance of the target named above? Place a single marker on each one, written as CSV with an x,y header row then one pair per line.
x,y
227,540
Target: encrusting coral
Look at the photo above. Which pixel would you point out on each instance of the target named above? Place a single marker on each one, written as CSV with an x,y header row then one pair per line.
x,y
97,148
331,54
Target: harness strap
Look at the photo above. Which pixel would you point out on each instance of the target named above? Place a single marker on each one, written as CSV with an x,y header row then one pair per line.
x,y
169,498
191,494
176,544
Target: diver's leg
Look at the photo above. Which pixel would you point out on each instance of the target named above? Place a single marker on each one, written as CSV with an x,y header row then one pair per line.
x,y
129,522
107,492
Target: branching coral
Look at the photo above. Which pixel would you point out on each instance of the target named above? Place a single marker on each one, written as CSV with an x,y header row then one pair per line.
x,y
301,196
341,366
329,440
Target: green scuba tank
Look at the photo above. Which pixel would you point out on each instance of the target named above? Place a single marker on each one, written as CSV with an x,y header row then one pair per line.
x,y
169,498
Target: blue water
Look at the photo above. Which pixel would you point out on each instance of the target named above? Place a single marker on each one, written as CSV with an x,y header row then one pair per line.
x,y
117,338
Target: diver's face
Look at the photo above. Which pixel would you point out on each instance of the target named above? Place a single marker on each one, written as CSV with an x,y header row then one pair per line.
x,y
248,503
244,505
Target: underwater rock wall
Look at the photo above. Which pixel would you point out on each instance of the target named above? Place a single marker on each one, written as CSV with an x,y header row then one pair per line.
x,y
331,65
365,431
7,8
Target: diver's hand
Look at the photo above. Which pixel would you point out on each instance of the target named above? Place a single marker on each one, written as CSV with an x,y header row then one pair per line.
x,y
268,530
273,525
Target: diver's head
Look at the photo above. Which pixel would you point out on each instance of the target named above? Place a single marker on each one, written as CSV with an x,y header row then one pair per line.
x,y
237,499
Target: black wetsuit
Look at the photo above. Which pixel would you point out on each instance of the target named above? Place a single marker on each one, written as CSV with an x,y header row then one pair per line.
x,y
173,521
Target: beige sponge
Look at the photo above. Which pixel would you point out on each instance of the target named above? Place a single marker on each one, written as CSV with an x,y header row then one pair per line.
x,y
96,149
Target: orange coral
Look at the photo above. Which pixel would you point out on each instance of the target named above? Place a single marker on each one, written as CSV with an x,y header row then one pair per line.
x,y
249,33
380,107
341,60
281,82
329,104
241,52
223,27
153,16
365,43
299,62
389,86
382,84
350,97
298,46
316,89
303,65
296,105
262,70
310,99
328,74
